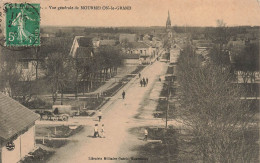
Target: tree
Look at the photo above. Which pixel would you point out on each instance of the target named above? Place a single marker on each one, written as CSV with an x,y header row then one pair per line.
x,y
220,36
57,71
216,118
247,62
111,59
126,44
15,81
10,74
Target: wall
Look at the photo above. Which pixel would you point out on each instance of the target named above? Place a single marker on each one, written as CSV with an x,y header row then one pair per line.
x,y
23,145
132,61
27,141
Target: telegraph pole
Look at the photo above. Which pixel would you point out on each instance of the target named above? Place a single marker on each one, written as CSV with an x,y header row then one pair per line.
x,y
169,94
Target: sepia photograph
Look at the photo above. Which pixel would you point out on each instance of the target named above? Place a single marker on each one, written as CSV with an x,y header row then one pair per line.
x,y
131,81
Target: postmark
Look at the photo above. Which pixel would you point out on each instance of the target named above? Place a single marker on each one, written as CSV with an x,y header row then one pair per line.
x,y
22,24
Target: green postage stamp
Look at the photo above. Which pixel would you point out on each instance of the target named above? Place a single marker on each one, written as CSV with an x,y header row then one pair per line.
x,y
22,24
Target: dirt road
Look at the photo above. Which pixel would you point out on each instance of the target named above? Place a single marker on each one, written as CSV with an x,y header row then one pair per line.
x,y
119,115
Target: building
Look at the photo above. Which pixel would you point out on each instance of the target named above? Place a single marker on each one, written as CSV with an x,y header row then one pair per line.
x,y
17,130
168,22
82,47
107,43
145,52
128,37
168,26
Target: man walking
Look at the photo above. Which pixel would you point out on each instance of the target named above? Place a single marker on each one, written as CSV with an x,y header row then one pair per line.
x,y
141,83
146,80
145,134
123,94
99,115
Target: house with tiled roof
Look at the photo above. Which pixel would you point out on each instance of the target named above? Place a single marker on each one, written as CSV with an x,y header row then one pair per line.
x,y
144,51
82,47
17,130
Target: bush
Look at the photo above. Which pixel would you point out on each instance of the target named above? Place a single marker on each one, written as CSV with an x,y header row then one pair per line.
x,y
38,103
39,156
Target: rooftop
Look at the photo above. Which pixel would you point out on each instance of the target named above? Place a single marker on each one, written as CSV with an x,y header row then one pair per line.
x,y
14,117
137,45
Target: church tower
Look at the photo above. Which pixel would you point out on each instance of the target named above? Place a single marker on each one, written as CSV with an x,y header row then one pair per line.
x,y
168,26
168,22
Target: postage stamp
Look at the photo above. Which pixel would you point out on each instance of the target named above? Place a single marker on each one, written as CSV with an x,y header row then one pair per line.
x,y
22,24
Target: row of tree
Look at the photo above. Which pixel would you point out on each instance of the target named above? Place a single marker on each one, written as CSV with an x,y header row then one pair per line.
x,y
218,121
83,71
61,72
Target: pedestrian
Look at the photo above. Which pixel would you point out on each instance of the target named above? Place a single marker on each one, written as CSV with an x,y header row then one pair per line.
x,y
139,76
145,134
96,134
160,79
41,114
123,94
102,135
99,115
146,80
141,83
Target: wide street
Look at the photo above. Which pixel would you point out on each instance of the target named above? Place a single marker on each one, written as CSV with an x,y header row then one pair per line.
x,y
119,115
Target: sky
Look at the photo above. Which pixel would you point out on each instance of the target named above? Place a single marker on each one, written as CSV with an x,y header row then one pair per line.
x,y
150,12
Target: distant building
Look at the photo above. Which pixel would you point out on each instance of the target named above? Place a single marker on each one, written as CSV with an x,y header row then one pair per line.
x,y
168,22
128,37
107,42
17,130
202,45
156,42
145,52
82,47
168,26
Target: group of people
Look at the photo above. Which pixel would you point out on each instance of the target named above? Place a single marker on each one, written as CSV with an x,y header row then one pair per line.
x,y
99,132
144,82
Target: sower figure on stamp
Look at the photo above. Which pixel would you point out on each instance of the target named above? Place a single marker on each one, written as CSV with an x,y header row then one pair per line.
x,y
99,115
19,21
123,95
